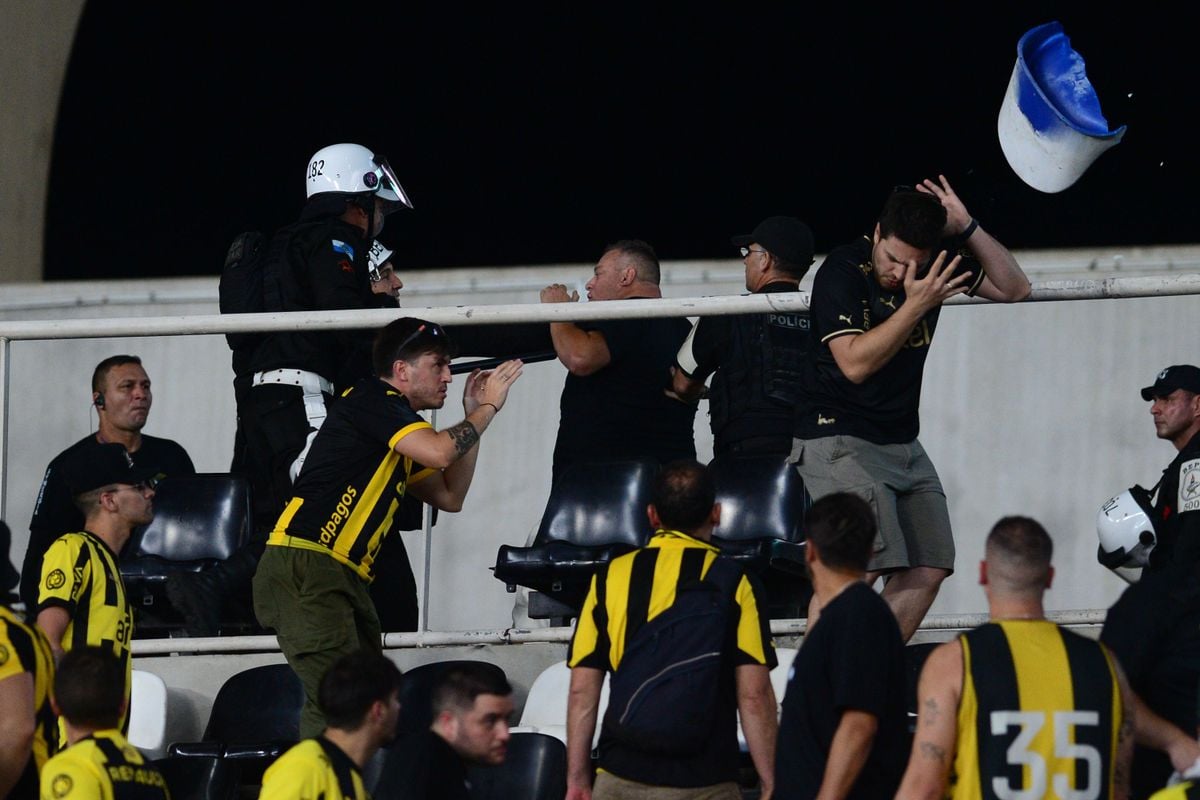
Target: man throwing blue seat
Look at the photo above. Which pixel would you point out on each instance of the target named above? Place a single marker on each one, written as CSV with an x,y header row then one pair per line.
x,y
875,307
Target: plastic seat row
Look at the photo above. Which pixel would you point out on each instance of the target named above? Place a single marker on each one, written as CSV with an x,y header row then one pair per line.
x,y
255,718
597,511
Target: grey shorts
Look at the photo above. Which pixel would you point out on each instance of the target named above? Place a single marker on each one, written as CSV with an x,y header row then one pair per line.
x,y
901,485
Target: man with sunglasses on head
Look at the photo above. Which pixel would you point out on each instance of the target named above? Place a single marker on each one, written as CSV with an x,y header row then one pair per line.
x,y
312,581
319,263
81,598
875,306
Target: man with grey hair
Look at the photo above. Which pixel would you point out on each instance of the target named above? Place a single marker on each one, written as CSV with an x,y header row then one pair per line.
x,y
1019,707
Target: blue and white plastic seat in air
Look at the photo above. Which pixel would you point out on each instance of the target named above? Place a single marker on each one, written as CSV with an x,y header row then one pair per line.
x,y
1051,127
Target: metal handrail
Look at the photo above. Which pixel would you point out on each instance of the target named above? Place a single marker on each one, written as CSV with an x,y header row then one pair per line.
x,y
556,635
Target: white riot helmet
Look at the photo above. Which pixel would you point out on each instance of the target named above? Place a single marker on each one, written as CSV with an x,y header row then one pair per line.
x,y
377,256
351,169
1126,529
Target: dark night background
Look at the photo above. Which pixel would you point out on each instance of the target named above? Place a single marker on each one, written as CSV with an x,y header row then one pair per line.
x,y
537,133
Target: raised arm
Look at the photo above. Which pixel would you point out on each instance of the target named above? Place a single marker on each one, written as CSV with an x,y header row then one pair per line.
x,y
938,693
483,397
861,355
581,352
1004,280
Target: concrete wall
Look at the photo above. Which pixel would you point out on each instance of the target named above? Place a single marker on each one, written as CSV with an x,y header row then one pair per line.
x,y
35,42
1026,409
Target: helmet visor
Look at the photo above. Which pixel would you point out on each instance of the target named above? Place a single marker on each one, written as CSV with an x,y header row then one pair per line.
x,y
387,186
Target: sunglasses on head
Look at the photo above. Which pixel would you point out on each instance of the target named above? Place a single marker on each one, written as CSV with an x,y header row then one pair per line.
x,y
430,328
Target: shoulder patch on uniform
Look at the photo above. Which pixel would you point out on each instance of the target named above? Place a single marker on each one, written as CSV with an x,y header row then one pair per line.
x,y
1189,486
56,579
61,785
3,655
341,247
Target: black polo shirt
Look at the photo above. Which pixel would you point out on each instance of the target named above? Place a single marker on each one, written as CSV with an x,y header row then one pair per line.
x,y
621,411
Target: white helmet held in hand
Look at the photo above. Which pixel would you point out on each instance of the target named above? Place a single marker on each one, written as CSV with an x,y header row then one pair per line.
x,y
377,256
351,169
1126,529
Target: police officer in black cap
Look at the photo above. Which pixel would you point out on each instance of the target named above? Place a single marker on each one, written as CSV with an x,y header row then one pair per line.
x,y
755,359
1175,406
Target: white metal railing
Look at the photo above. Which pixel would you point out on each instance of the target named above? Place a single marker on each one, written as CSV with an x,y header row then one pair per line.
x,y
1043,291
556,635
1085,289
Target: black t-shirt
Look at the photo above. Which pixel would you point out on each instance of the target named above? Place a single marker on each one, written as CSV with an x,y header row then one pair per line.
x,y
55,514
852,660
621,411
1154,631
847,300
422,767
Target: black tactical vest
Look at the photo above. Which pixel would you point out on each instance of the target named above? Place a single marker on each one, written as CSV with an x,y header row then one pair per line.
x,y
754,393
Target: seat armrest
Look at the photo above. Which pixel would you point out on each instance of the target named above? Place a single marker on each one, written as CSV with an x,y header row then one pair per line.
x,y
197,749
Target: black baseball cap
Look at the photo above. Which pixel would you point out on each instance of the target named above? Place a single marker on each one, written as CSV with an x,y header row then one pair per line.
x,y
785,237
104,466
1180,376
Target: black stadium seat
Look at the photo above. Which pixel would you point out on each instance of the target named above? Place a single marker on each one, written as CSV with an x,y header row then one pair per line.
x,y
208,778
199,520
763,502
255,717
534,769
596,512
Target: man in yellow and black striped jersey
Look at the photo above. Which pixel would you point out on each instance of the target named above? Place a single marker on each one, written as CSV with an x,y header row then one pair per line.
x,y
28,729
311,583
81,597
630,594
360,697
1019,707
99,764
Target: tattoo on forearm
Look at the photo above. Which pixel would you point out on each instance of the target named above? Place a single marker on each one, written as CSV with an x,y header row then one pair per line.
x,y
931,712
1126,729
463,435
933,752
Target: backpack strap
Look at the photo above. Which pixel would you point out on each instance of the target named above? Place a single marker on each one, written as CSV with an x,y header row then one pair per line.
x,y
726,575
